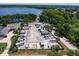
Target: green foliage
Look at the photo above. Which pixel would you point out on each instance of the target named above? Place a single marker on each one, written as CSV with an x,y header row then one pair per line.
x,y
7,19
55,47
16,31
53,53
13,47
66,22
48,27
73,53
2,47
13,40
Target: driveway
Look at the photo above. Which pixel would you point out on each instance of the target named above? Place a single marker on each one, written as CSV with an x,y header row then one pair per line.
x,y
68,44
8,41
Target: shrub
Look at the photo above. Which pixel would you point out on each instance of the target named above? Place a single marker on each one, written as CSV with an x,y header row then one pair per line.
x,y
73,53
54,53
13,47
55,47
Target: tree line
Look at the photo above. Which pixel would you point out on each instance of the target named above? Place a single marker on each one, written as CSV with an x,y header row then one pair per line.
x,y
65,21
7,19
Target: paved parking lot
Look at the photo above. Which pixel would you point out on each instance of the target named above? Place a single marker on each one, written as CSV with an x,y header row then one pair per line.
x,y
34,39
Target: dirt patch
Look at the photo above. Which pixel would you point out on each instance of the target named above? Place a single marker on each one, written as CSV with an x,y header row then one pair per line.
x,y
30,53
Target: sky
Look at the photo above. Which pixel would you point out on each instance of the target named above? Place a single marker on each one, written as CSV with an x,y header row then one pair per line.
x,y
42,2
53,3
77,4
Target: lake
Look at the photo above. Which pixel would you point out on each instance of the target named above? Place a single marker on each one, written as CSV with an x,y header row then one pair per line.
x,y
11,11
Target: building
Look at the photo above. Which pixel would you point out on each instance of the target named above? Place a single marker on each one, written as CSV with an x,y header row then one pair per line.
x,y
13,26
4,31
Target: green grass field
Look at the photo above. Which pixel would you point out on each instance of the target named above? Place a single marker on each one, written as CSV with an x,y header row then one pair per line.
x,y
2,47
17,24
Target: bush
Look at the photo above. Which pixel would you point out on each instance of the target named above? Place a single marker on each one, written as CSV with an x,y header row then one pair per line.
x,y
48,28
73,53
13,47
54,53
17,31
55,47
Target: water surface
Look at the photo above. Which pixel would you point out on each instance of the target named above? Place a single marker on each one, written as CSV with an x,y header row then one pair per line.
x,y
11,11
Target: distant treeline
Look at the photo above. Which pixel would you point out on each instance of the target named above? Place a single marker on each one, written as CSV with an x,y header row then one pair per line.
x,y
41,6
4,20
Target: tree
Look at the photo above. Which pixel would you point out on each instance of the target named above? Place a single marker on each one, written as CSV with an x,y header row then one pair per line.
x,y
66,24
17,18
70,53
55,47
53,53
48,28
73,53
13,47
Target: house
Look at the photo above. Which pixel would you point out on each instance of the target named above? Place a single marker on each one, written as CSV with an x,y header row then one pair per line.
x,y
4,31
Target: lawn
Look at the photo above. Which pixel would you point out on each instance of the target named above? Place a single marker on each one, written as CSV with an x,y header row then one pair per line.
x,y
2,47
17,24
